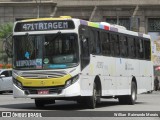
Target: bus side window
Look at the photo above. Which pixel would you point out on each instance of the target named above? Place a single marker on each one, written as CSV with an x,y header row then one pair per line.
x,y
147,49
134,51
131,47
125,46
122,49
95,42
92,42
105,44
85,55
137,48
84,44
117,46
112,44
141,48
98,42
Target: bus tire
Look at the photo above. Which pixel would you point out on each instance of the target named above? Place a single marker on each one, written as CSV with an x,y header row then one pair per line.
x,y
81,101
132,98
92,100
39,103
122,100
129,99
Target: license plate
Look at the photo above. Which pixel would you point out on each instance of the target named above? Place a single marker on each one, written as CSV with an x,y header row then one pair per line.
x,y
43,91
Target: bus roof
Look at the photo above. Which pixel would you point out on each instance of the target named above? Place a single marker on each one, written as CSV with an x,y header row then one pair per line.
x,y
100,25
114,28
47,19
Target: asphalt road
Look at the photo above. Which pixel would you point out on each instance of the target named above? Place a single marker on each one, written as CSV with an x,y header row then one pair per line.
x,y
145,102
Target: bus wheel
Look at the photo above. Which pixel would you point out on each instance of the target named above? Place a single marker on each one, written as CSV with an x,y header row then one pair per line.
x,y
92,100
122,100
39,103
81,101
132,98
129,99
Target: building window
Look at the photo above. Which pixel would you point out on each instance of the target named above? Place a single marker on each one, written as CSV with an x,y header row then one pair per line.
x,y
121,21
154,24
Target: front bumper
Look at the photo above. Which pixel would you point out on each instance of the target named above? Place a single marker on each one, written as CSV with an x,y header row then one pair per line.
x,y
71,91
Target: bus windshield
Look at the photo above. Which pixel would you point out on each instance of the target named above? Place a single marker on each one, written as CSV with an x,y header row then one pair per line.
x,y
48,51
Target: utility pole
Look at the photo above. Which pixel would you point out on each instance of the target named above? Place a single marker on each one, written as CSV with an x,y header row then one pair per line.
x,y
38,6
134,20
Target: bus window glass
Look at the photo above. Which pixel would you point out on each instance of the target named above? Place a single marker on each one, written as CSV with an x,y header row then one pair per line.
x,y
45,51
125,47
92,41
112,44
105,44
117,47
147,49
95,42
98,42
137,48
141,48
121,45
85,55
85,46
131,47
134,50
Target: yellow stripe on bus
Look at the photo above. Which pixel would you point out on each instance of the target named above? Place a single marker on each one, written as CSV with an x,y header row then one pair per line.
x,y
43,19
43,82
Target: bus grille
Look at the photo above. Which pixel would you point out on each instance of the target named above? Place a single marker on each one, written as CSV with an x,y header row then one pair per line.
x,y
51,90
42,74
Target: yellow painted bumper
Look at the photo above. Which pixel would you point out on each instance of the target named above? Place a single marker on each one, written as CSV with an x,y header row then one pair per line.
x,y
27,82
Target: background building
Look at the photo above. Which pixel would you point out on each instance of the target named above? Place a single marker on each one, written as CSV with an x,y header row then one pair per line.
x,y
138,15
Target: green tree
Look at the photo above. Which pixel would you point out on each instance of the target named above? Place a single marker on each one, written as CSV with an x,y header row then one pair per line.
x,y
5,32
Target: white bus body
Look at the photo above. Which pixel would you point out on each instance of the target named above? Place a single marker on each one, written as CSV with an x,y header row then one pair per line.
x,y
101,76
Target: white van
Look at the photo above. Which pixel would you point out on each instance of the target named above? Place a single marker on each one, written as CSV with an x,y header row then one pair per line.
x,y
6,83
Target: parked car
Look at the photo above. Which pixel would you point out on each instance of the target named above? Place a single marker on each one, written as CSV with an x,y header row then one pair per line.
x,y
6,84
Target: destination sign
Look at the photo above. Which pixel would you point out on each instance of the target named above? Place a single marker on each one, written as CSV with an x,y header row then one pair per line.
x,y
44,25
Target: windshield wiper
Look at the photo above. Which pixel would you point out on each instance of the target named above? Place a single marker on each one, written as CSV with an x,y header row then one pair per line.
x,y
55,37
28,36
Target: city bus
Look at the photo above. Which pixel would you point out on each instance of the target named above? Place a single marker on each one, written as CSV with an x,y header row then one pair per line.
x,y
66,58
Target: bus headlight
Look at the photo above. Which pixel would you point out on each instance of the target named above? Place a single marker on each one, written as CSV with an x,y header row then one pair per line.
x,y
17,83
72,80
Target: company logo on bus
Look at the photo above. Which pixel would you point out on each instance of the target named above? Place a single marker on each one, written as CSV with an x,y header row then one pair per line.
x,y
42,83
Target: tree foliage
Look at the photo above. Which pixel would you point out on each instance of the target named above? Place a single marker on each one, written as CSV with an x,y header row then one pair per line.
x,y
5,35
5,30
